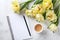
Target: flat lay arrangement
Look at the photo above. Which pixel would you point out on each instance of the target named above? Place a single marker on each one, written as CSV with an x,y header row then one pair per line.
x,y
30,20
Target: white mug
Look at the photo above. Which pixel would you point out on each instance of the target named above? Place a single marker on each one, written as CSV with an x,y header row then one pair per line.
x,y
35,28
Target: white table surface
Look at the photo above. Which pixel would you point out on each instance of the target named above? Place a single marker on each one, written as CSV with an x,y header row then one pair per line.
x,y
19,27
4,29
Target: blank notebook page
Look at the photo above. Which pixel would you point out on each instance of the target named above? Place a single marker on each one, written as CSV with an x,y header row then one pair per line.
x,y
19,27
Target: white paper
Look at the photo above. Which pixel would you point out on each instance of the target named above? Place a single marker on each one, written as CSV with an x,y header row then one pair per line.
x,y
19,27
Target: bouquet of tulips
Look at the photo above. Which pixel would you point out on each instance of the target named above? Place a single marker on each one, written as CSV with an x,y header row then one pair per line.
x,y
41,10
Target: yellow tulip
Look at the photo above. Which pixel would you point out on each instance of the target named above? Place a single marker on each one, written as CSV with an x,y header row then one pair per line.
x,y
50,6
49,1
47,4
38,9
51,16
16,6
29,13
53,27
39,17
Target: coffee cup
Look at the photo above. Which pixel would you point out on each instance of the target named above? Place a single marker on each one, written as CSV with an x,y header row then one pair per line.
x,y
38,28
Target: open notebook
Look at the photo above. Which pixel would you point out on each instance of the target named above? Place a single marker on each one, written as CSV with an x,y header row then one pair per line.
x,y
19,28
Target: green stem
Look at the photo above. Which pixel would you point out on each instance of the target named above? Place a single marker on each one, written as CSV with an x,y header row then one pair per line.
x,y
38,1
53,1
57,14
23,5
56,10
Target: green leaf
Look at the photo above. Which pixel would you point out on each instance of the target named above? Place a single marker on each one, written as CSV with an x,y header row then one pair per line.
x,y
53,1
38,1
59,11
44,15
56,10
23,5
